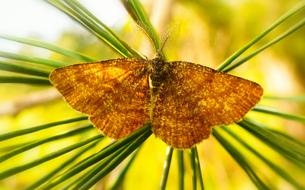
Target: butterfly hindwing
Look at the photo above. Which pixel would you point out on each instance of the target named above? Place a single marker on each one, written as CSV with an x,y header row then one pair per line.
x,y
115,93
193,98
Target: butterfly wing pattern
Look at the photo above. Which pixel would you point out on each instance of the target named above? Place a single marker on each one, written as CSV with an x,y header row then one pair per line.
x,y
114,93
194,98
190,100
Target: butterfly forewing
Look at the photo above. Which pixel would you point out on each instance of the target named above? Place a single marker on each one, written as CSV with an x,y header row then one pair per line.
x,y
115,93
193,98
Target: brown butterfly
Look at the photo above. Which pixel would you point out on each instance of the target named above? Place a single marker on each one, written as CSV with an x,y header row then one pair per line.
x,y
182,100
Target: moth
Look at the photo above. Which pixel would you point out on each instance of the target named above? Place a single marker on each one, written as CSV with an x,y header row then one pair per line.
x,y
182,100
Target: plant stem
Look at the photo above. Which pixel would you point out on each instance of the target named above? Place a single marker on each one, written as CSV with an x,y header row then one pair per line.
x,y
167,163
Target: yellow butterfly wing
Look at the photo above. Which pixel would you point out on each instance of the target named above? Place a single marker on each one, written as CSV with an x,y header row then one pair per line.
x,y
194,98
114,93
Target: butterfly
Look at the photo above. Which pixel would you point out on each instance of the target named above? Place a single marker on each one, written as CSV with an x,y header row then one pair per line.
x,y
182,100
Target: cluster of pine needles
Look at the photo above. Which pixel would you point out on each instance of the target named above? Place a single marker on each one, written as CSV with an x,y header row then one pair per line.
x,y
35,71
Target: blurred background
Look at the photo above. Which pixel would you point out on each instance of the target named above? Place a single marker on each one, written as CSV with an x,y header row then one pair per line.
x,y
200,31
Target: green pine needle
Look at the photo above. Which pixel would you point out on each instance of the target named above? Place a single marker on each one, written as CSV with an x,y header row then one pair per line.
x,y
166,167
25,80
106,151
199,173
276,23
62,166
32,145
31,130
241,160
194,168
292,152
120,179
286,98
32,164
80,14
291,30
117,160
31,59
48,46
18,68
273,111
181,169
286,176
136,11
78,183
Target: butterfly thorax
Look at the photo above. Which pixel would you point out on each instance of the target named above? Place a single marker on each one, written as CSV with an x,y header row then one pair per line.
x,y
158,72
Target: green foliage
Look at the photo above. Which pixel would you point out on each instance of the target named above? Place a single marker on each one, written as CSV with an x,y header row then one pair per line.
x,y
25,80
21,168
48,46
273,166
242,161
167,164
93,168
136,11
80,14
31,59
276,23
272,111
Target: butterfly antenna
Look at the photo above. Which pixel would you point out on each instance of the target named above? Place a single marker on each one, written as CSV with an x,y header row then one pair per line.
x,y
160,50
